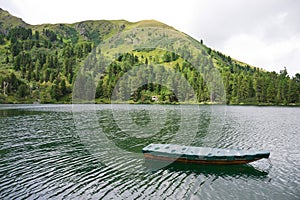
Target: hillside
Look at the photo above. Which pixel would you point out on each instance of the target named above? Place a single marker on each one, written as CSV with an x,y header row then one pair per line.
x,y
149,62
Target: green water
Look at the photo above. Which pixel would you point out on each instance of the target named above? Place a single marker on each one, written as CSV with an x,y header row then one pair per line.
x,y
94,152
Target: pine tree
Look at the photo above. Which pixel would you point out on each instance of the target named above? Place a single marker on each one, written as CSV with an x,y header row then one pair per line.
x,y
293,94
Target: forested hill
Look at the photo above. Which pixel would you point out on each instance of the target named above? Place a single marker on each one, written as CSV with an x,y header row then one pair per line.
x,y
40,63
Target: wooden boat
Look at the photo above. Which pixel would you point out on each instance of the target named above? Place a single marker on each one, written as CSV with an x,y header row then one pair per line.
x,y
201,155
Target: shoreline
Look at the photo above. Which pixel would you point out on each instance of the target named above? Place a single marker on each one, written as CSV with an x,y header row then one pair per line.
x,y
106,102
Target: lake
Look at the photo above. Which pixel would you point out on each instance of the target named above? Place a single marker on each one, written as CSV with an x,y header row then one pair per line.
x,y
94,151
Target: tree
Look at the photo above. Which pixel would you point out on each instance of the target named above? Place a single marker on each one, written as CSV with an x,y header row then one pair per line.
x,y
37,35
251,88
293,94
2,39
37,68
99,89
15,48
63,87
271,93
55,91
235,90
23,90
68,68
167,57
243,87
46,74
29,72
283,86
297,78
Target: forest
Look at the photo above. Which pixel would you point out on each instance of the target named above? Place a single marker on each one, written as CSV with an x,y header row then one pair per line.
x,y
39,64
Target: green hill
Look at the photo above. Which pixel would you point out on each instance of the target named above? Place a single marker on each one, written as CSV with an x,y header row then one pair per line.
x,y
149,62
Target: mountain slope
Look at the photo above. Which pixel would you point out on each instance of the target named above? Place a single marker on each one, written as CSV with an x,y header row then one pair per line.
x,y
42,63
7,21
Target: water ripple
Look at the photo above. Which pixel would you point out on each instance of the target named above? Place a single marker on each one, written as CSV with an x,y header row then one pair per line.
x,y
42,156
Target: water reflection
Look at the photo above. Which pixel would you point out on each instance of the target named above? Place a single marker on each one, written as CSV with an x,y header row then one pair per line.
x,y
17,112
244,171
134,140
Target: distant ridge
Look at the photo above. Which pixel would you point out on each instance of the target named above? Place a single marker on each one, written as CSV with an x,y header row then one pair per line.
x,y
8,21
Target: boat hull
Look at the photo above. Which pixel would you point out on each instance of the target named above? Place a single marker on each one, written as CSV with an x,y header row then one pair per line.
x,y
198,161
201,155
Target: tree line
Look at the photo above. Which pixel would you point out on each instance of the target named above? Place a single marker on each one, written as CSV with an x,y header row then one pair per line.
x,y
42,66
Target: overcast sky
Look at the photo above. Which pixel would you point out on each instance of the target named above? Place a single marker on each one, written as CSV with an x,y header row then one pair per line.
x,y
263,33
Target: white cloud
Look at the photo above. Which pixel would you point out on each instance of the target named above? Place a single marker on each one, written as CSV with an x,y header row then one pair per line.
x,y
68,11
258,52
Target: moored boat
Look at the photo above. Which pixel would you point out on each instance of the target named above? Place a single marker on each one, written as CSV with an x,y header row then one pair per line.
x,y
201,155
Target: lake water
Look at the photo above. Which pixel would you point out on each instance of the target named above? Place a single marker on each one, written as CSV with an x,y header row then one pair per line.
x,y
94,152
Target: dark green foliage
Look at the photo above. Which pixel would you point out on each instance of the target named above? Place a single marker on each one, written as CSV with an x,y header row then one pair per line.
x,y
169,56
37,35
19,33
68,32
44,61
16,48
50,34
12,85
245,84
2,37
94,36
23,90
59,89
